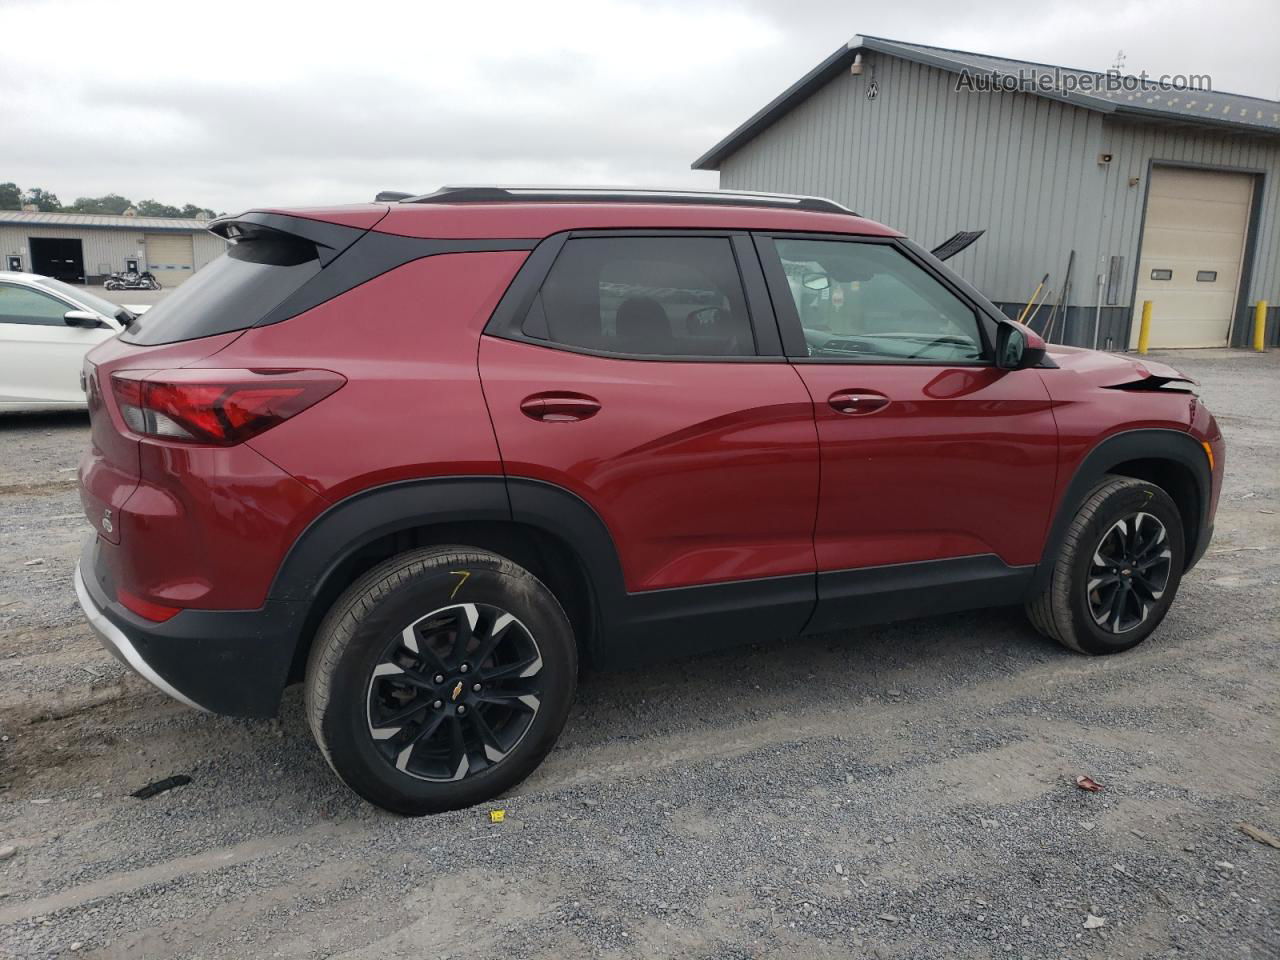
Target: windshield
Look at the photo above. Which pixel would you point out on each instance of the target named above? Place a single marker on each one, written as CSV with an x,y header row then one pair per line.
x,y
90,300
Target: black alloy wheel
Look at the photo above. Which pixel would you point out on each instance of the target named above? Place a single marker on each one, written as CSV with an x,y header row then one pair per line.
x,y
1129,573
455,692
1115,571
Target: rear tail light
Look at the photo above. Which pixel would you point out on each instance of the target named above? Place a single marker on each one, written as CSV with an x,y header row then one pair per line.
x,y
217,407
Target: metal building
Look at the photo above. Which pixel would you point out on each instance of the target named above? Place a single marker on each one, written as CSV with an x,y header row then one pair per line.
x,y
1164,195
86,248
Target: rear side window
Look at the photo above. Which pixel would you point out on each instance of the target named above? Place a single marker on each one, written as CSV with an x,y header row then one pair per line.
x,y
232,293
648,296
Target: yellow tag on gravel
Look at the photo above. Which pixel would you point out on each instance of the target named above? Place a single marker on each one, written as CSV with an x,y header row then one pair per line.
x,y
497,816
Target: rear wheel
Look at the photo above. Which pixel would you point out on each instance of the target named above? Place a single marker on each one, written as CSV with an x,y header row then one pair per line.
x,y
1117,570
440,679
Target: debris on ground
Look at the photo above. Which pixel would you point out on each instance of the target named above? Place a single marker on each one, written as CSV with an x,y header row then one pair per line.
x,y
161,786
1088,783
1270,839
7,851
1092,922
497,816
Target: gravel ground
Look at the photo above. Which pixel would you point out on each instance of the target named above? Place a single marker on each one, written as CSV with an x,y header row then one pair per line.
x,y
899,792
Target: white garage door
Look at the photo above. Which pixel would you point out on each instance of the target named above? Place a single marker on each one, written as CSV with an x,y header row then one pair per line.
x,y
169,257
1192,249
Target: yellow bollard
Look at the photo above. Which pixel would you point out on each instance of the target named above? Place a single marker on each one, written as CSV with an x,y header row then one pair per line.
x,y
1144,331
1260,326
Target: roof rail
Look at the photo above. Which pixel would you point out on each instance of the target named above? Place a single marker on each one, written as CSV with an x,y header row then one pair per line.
x,y
391,196
535,194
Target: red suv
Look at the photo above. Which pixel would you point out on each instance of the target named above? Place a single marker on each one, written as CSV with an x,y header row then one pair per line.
x,y
426,455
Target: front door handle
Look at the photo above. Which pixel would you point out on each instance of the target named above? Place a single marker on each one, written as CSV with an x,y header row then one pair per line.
x,y
559,407
856,402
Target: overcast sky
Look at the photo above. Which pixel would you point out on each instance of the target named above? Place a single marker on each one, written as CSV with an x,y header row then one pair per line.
x,y
234,104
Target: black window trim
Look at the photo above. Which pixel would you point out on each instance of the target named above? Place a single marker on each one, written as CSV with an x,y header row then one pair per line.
x,y
986,314
52,295
508,317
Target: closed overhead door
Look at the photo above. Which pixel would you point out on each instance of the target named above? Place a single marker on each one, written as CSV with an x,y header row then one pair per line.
x,y
169,257
1193,243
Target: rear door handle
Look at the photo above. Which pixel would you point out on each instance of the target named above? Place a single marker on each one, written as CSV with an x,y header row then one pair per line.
x,y
559,407
856,402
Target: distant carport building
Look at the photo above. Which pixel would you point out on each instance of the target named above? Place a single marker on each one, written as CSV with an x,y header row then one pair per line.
x,y
1168,195
86,248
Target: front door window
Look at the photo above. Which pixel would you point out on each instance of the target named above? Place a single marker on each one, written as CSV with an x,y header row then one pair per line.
x,y
866,301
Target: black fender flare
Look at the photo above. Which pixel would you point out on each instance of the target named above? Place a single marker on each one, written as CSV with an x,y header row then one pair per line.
x,y
363,518
627,626
1156,443
352,524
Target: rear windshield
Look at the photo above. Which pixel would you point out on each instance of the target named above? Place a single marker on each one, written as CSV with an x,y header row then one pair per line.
x,y
232,293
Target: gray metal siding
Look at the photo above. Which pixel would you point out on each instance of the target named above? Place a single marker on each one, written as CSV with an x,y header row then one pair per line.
x,y
207,247
1136,146
929,160
102,248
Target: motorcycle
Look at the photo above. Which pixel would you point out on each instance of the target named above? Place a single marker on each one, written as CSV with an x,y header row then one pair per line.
x,y
132,281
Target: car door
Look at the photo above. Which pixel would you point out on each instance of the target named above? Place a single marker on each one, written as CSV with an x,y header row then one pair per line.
x,y
40,354
640,373
938,468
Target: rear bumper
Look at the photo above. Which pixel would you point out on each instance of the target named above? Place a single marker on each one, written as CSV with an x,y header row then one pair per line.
x,y
233,662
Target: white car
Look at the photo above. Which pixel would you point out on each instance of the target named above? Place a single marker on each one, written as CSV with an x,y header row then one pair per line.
x,y
46,328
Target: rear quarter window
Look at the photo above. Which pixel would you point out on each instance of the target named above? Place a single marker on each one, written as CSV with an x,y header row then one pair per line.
x,y
232,293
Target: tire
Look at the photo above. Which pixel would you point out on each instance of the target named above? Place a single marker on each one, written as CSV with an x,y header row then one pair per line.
x,y
1120,522
364,674
112,285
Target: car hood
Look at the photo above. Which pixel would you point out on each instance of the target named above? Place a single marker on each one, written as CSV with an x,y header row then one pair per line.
x,y
1114,369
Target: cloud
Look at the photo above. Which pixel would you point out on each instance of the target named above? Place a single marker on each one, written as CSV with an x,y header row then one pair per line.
x,y
239,103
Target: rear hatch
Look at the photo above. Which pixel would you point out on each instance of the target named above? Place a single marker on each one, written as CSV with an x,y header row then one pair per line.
x,y
274,260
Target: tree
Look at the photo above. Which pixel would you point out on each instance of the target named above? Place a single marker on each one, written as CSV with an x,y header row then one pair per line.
x,y
153,208
10,197
111,203
43,200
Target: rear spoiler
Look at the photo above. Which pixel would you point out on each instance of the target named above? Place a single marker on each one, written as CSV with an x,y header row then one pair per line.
x,y
330,239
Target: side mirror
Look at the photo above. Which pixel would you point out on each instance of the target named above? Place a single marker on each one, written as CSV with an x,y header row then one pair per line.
x,y
1018,347
815,281
81,318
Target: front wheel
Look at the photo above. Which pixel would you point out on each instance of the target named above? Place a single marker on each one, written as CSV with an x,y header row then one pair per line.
x,y
112,285
1117,570
440,679
154,284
